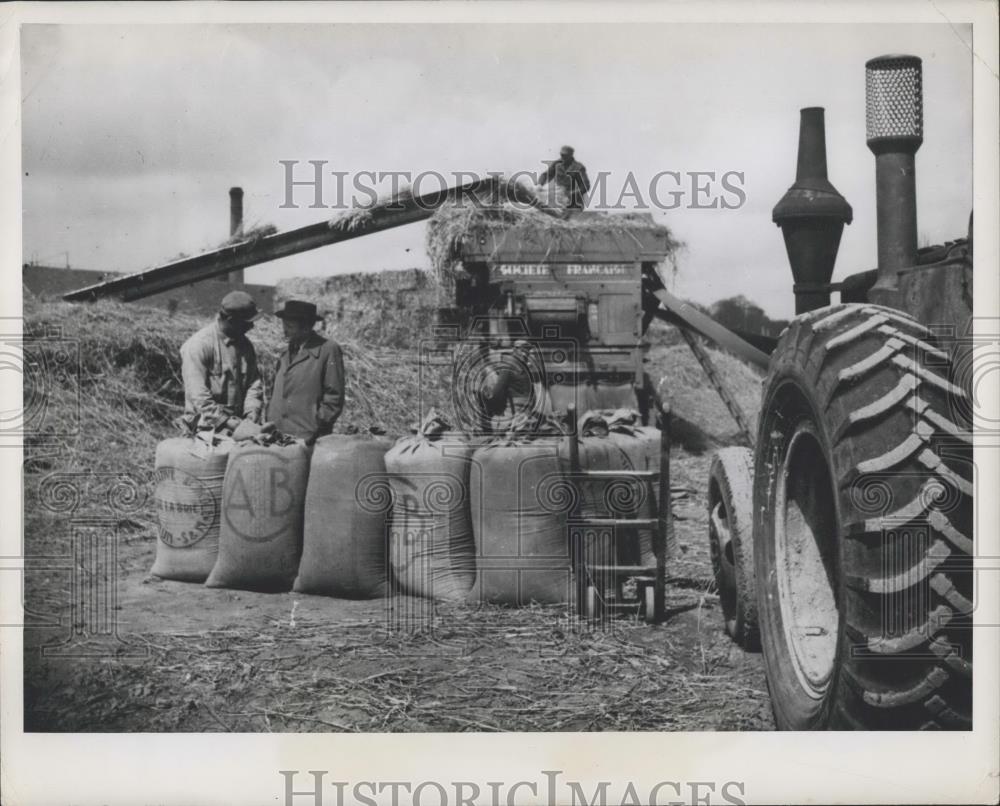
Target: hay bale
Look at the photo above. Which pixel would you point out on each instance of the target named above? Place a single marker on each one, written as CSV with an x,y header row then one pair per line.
x,y
383,309
311,289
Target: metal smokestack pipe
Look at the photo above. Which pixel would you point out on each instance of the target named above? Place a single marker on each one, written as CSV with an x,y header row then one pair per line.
x,y
895,130
812,145
235,226
812,215
235,211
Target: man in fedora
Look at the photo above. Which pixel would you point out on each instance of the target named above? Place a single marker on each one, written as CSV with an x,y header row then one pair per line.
x,y
309,381
222,385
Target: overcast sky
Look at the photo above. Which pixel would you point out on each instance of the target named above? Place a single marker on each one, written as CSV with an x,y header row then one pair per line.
x,y
133,135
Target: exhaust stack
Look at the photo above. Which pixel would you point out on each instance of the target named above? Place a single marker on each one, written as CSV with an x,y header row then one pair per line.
x,y
812,215
235,211
895,130
235,227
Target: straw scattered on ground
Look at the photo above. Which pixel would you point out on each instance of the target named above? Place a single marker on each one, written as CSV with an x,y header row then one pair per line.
x,y
463,669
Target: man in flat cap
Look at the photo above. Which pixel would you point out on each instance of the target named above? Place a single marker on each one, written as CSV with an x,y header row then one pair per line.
x,y
570,177
309,383
222,385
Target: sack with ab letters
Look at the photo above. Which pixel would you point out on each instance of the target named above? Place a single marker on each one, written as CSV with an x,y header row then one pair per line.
x,y
260,541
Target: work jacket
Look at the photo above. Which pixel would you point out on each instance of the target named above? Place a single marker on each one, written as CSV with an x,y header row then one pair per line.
x,y
572,179
308,389
221,379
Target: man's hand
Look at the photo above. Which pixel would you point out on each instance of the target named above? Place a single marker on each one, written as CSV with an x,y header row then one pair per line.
x,y
233,423
246,430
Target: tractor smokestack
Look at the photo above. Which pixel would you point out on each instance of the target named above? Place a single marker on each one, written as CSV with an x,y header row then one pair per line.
x,y
235,211
895,130
812,215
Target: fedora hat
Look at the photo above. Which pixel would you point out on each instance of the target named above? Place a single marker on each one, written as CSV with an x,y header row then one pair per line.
x,y
298,309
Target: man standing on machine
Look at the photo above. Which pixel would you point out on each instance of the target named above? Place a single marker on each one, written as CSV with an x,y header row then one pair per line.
x,y
570,177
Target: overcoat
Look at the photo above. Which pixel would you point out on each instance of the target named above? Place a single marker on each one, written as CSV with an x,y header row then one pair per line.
x,y
308,394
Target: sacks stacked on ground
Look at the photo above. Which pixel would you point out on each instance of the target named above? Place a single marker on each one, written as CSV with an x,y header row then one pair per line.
x,y
188,497
431,546
263,495
347,499
520,504
486,522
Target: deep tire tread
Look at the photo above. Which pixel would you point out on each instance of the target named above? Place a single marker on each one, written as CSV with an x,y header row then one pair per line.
x,y
880,387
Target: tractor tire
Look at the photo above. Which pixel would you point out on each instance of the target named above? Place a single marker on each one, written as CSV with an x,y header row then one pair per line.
x,y
730,539
863,526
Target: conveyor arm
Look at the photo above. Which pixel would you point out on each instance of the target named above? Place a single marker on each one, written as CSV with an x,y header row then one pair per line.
x,y
683,315
659,302
403,209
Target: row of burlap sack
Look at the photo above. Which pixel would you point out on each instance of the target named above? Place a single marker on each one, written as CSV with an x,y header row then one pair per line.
x,y
271,517
488,520
437,514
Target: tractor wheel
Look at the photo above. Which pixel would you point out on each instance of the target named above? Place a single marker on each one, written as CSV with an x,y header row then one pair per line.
x,y
730,538
863,526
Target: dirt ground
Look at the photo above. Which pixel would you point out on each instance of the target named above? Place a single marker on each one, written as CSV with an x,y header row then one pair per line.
x,y
188,658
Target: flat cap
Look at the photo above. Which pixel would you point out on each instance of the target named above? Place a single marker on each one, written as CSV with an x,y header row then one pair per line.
x,y
241,305
566,150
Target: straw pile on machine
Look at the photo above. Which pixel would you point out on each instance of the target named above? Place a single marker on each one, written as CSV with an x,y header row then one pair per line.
x,y
451,223
512,208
